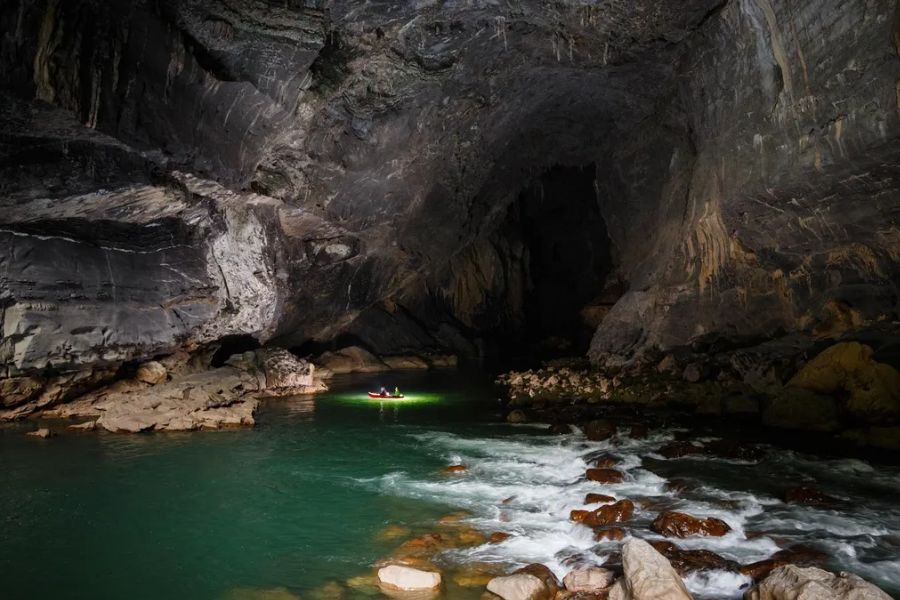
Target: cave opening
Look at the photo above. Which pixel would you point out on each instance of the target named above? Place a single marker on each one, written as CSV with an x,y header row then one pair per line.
x,y
567,261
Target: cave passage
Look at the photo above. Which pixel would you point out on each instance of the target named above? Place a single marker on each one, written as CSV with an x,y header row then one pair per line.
x,y
568,259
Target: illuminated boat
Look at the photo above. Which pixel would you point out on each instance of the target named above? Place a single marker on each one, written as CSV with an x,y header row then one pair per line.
x,y
381,396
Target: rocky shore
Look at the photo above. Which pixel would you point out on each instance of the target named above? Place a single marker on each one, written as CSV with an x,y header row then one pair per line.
x,y
845,391
184,391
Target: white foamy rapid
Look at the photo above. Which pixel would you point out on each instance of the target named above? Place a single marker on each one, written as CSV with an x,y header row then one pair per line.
x,y
525,484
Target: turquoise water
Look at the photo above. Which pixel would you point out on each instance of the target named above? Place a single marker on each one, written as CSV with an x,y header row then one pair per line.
x,y
298,502
196,515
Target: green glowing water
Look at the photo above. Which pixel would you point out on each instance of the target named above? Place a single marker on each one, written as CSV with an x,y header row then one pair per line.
x,y
199,515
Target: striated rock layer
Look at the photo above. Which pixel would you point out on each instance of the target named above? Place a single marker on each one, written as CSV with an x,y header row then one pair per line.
x,y
430,178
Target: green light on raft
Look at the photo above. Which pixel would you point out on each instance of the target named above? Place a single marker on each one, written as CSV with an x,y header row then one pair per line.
x,y
407,399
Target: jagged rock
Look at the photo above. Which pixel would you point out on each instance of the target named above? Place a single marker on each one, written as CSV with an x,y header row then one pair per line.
x,y
212,399
401,577
287,374
648,575
873,388
151,372
590,579
810,583
681,525
42,433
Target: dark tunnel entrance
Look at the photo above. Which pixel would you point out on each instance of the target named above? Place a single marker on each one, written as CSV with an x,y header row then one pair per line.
x,y
569,258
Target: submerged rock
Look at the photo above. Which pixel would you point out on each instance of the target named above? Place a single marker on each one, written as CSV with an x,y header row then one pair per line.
x,y
42,433
810,583
808,496
648,575
599,430
688,561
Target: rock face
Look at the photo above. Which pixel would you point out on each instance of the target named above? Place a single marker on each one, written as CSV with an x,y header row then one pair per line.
x,y
796,583
206,169
648,575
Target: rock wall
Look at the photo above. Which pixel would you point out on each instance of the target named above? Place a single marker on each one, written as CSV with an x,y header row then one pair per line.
x,y
779,203
178,171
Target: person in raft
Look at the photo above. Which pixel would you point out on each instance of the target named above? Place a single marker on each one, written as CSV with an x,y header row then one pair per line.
x,y
397,391
384,392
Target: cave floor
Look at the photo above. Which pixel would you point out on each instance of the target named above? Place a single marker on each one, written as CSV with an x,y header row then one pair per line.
x,y
304,504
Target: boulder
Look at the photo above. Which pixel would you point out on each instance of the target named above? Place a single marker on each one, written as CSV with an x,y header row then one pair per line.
x,y
619,512
588,579
86,426
848,369
681,525
42,433
352,359
797,408
599,430
286,374
452,469
692,373
400,577
648,575
151,372
605,475
791,582
519,586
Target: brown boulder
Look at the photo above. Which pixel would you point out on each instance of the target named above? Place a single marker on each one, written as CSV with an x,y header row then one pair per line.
x,y
798,554
605,475
456,469
681,525
621,511
598,499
